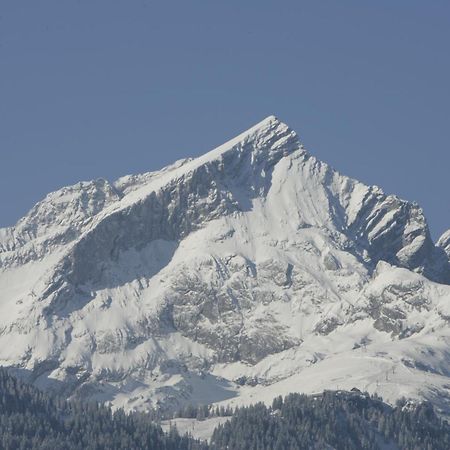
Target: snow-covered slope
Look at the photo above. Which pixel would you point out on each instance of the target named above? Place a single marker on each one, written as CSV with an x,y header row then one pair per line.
x,y
251,271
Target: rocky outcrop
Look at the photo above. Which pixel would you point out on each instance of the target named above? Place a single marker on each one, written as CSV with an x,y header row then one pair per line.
x,y
55,221
444,243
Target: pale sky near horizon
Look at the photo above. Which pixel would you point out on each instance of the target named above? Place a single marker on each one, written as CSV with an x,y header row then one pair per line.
x,y
99,88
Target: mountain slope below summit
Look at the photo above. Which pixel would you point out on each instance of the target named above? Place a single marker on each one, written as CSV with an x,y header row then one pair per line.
x,y
181,285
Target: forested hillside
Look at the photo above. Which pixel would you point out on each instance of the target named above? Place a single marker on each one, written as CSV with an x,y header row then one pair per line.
x,y
31,419
333,420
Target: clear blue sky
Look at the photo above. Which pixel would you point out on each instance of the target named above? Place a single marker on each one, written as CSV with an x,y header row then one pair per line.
x,y
102,88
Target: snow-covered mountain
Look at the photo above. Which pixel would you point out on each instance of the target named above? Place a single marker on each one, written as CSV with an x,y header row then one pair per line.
x,y
252,271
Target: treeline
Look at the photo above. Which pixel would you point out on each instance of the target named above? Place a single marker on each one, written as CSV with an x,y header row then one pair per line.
x,y
31,419
333,420
201,412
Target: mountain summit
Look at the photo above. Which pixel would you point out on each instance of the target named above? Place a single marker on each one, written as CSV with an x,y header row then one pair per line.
x,y
246,273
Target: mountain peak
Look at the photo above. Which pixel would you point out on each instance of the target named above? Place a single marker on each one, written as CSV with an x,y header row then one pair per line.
x,y
267,121
252,262
261,146
263,137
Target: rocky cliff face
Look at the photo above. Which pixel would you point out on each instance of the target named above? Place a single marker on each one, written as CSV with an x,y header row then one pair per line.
x,y
221,275
444,243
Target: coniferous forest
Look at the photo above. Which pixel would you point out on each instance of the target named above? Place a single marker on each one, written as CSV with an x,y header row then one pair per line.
x,y
333,420
31,419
